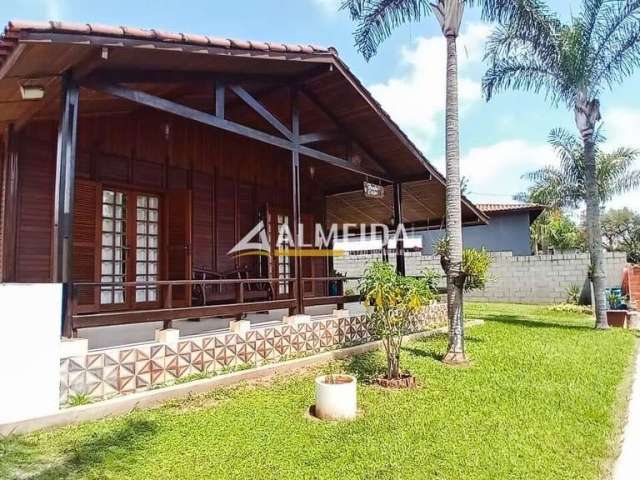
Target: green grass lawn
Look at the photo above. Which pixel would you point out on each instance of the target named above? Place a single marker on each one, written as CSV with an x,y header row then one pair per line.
x,y
541,400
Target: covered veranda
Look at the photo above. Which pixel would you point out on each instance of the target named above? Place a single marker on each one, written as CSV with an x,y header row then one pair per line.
x,y
134,160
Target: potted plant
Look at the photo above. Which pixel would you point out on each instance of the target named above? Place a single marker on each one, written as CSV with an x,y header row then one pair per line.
x,y
617,313
336,397
335,286
392,302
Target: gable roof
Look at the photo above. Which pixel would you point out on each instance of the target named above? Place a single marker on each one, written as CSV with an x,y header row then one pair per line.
x,y
50,48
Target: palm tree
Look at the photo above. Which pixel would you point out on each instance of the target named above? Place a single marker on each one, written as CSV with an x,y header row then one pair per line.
x,y
376,19
564,186
533,50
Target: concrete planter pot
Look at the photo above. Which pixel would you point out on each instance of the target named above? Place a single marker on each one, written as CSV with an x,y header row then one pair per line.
x,y
617,318
336,397
633,321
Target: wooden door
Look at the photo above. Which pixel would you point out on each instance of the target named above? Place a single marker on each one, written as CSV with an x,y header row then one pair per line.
x,y
179,249
281,266
129,239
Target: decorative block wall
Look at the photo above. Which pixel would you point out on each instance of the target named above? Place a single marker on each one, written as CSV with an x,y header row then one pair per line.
x,y
107,373
517,279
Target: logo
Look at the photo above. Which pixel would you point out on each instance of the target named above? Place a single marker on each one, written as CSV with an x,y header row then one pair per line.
x,y
257,240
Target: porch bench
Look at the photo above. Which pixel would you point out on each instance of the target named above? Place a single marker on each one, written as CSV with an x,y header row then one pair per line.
x,y
224,294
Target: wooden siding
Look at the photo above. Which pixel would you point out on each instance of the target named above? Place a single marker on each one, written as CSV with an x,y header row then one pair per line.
x,y
230,179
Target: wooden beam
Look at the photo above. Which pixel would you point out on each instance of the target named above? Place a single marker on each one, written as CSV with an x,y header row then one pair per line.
x,y
64,197
261,110
220,99
159,103
179,76
327,136
142,316
397,213
11,60
313,98
10,204
295,205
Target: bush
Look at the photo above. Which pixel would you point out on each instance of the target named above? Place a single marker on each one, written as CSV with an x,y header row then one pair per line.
x,y
392,302
573,294
475,264
569,308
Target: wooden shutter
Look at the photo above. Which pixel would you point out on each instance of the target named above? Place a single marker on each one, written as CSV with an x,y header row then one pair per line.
x,y
86,258
35,212
203,221
179,244
225,223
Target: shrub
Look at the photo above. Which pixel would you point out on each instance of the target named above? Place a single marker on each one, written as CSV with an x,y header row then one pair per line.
x,y
573,294
392,302
569,308
475,264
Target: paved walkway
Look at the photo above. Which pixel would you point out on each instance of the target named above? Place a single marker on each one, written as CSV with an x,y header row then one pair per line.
x,y
628,465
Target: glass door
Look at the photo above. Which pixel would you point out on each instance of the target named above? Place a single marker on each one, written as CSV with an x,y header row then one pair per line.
x,y
130,245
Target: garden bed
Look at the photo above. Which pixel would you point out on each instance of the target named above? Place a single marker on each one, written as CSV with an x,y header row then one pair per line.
x,y
540,400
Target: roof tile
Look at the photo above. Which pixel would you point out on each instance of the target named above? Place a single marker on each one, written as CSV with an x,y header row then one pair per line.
x,y
14,27
97,28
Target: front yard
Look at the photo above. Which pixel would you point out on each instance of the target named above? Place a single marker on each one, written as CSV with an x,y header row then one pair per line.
x,y
541,400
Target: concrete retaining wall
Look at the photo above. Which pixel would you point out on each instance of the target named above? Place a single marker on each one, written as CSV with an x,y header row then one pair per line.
x,y
518,279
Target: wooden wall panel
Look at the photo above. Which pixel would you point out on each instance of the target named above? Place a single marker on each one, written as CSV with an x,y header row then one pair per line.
x,y
247,217
35,214
225,222
231,179
203,222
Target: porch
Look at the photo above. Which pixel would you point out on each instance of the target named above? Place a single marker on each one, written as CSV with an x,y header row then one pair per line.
x,y
147,158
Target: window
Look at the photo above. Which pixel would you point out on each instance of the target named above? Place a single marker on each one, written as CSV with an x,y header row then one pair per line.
x,y
147,234
114,251
284,262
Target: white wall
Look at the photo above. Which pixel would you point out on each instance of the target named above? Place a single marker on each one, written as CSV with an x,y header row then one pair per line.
x,y
29,350
518,279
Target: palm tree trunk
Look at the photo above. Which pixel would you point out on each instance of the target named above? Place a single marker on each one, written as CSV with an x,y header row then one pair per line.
x,y
456,353
594,231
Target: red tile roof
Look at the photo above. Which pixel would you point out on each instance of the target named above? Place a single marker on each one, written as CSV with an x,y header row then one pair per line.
x,y
9,38
508,207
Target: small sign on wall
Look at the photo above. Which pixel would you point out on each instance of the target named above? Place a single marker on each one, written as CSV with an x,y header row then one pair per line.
x,y
371,190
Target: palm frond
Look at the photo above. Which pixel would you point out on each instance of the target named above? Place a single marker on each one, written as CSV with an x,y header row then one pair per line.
x,y
522,72
614,16
376,19
621,56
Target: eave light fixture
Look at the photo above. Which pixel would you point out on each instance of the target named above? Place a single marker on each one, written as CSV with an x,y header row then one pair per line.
x,y
32,92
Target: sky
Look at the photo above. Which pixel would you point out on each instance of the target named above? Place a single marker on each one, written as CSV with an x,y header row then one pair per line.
x,y
500,140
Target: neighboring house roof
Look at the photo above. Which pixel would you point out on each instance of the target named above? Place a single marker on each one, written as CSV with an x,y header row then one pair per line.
x,y
49,48
494,209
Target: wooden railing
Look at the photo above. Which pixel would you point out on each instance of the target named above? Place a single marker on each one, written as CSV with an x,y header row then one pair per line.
x,y
168,309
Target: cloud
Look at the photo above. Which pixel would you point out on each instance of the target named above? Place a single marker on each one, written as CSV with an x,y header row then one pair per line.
x,y
416,99
54,9
328,6
621,130
494,171
621,127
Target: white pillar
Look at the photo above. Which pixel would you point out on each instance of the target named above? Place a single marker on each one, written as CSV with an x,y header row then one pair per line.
x,y
29,350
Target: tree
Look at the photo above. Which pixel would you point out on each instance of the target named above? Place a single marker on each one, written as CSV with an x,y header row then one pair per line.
x,y
621,231
392,302
564,186
533,50
376,20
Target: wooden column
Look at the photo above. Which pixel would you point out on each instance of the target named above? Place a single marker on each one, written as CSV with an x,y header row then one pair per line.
x,y
64,193
397,215
10,205
295,176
